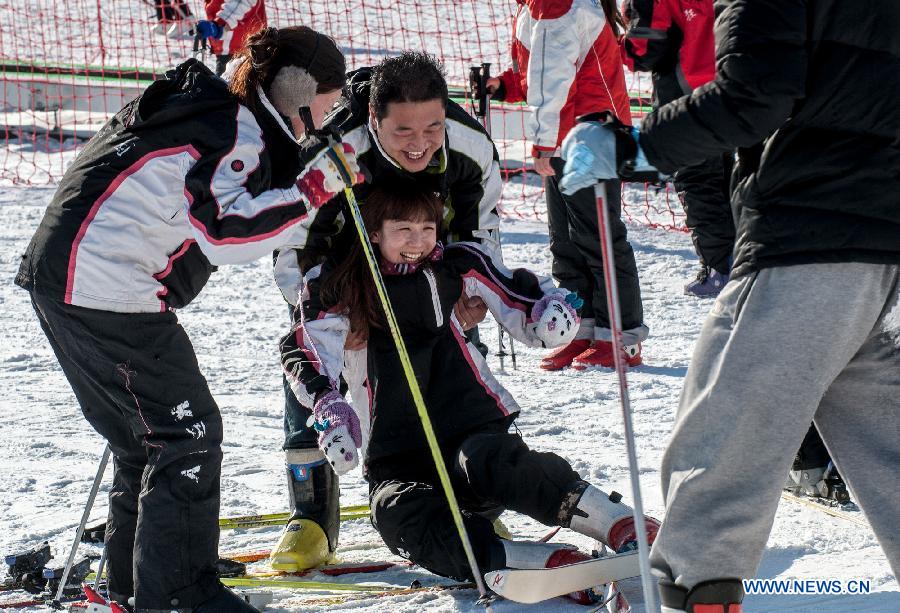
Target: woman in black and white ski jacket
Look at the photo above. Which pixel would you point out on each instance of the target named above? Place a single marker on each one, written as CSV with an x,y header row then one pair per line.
x,y
194,173
491,468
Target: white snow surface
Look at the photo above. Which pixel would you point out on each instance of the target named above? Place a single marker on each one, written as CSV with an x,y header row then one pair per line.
x,y
50,454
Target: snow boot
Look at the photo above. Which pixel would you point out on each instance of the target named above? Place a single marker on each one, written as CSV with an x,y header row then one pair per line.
x,y
600,353
709,283
311,536
563,356
225,601
604,517
718,596
818,482
525,554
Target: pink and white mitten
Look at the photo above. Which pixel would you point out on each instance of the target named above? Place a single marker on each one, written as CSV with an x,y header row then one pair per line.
x,y
339,431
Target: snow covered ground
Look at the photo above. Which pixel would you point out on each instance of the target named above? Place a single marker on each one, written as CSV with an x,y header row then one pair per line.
x,y
50,454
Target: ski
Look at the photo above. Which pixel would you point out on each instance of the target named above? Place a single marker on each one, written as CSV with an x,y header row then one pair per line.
x,y
277,519
848,512
95,534
333,586
535,585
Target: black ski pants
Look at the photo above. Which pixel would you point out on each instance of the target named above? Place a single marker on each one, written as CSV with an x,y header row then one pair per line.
x,y
705,195
491,470
137,380
577,257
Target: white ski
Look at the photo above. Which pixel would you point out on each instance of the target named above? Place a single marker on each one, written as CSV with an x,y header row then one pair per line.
x,y
535,585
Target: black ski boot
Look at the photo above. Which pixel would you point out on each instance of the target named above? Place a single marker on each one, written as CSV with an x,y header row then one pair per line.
x,y
311,536
225,601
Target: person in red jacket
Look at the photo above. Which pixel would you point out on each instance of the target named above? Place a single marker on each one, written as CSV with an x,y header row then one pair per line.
x,y
567,63
673,39
229,24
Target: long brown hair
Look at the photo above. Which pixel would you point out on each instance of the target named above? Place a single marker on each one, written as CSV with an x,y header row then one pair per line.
x,y
271,49
350,286
613,16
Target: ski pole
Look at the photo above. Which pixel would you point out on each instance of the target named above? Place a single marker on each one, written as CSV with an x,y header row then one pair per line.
x,y
615,322
478,77
100,566
56,602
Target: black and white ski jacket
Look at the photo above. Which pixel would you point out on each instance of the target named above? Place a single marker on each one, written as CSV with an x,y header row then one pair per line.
x,y
183,179
459,390
465,173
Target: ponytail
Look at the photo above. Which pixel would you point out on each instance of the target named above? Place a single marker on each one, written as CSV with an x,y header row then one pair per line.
x,y
613,16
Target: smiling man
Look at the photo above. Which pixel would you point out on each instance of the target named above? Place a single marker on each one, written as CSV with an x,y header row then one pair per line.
x,y
405,129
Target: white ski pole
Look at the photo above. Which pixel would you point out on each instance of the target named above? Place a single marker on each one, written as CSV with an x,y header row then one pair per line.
x,y
615,324
55,603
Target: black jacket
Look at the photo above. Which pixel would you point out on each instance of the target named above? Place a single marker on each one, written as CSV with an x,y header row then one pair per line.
x,y
182,179
465,172
819,80
459,390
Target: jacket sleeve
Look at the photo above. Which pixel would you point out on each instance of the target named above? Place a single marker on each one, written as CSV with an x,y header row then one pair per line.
x,y
761,61
556,42
512,85
510,295
231,224
312,353
475,192
651,37
233,11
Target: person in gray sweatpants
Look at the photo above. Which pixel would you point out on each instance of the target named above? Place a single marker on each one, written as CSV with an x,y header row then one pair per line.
x,y
808,327
780,348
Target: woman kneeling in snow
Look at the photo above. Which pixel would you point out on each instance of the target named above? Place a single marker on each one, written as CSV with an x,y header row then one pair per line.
x,y
491,469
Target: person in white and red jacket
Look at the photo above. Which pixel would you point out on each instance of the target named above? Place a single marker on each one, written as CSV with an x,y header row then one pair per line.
x,y
229,24
192,174
566,63
673,40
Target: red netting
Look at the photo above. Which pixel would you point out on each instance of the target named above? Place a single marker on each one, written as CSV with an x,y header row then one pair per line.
x,y
67,66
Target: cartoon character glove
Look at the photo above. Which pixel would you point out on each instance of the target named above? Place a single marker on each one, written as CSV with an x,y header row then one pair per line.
x,y
332,170
339,431
556,317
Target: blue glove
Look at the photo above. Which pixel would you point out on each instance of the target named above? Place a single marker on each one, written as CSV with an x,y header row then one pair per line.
x,y
602,150
590,154
210,29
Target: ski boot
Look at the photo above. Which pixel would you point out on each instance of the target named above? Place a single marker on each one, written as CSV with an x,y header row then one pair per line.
x,y
835,486
718,596
26,569
311,536
709,283
563,356
818,482
600,353
603,517
173,19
